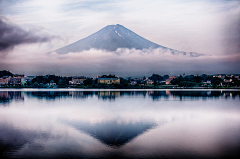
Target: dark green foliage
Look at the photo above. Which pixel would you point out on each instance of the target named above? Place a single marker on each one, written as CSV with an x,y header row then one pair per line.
x,y
237,82
61,81
185,82
191,81
165,77
156,77
108,76
88,81
155,83
39,79
5,73
216,81
227,77
35,85
28,83
197,79
123,82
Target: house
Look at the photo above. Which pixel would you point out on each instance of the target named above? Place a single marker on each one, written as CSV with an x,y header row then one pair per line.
x,y
96,77
209,81
109,80
169,79
227,80
28,78
149,82
5,80
52,83
163,82
16,80
221,76
133,83
206,81
77,80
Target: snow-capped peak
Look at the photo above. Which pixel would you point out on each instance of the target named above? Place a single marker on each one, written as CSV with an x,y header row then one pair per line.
x,y
118,33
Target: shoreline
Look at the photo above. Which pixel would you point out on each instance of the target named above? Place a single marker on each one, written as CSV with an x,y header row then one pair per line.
x,y
115,89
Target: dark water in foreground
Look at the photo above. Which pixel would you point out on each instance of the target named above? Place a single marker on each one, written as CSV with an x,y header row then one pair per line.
x,y
123,124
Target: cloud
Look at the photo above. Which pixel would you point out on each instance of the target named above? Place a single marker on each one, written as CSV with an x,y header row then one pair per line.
x,y
192,26
203,26
12,35
124,62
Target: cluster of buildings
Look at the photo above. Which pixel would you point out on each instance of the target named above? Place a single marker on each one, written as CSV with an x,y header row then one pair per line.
x,y
12,80
148,81
79,80
18,79
109,80
227,78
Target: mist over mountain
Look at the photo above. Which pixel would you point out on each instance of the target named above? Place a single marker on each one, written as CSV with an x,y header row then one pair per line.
x,y
117,50
114,37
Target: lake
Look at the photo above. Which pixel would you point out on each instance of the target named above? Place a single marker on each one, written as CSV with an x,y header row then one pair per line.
x,y
77,123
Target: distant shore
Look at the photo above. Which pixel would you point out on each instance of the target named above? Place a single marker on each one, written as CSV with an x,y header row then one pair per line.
x,y
156,81
126,88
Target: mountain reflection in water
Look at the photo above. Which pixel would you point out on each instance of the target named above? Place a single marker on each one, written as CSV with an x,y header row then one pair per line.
x,y
120,124
112,133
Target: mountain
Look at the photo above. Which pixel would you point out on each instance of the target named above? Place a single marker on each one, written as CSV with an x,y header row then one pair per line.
x,y
112,37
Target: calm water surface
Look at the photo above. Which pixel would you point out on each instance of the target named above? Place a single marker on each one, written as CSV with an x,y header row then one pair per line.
x,y
123,124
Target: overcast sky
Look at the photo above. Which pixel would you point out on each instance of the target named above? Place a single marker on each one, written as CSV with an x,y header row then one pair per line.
x,y
31,28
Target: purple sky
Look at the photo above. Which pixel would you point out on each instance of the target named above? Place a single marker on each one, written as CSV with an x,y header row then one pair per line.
x,y
31,28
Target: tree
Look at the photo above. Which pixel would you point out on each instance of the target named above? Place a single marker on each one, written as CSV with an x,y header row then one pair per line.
x,y
216,81
5,73
41,85
156,77
108,76
165,77
35,85
28,83
88,81
61,82
155,83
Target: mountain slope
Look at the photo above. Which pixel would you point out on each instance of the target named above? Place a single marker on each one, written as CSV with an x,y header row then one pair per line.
x,y
110,38
113,37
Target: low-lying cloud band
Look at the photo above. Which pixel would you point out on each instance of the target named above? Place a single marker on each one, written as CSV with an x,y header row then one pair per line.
x,y
125,63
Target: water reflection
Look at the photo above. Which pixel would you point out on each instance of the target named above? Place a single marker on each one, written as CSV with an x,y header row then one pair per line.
x,y
111,95
127,124
6,97
112,133
50,95
13,139
81,94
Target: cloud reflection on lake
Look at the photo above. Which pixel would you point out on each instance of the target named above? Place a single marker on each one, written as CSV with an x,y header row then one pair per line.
x,y
142,124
